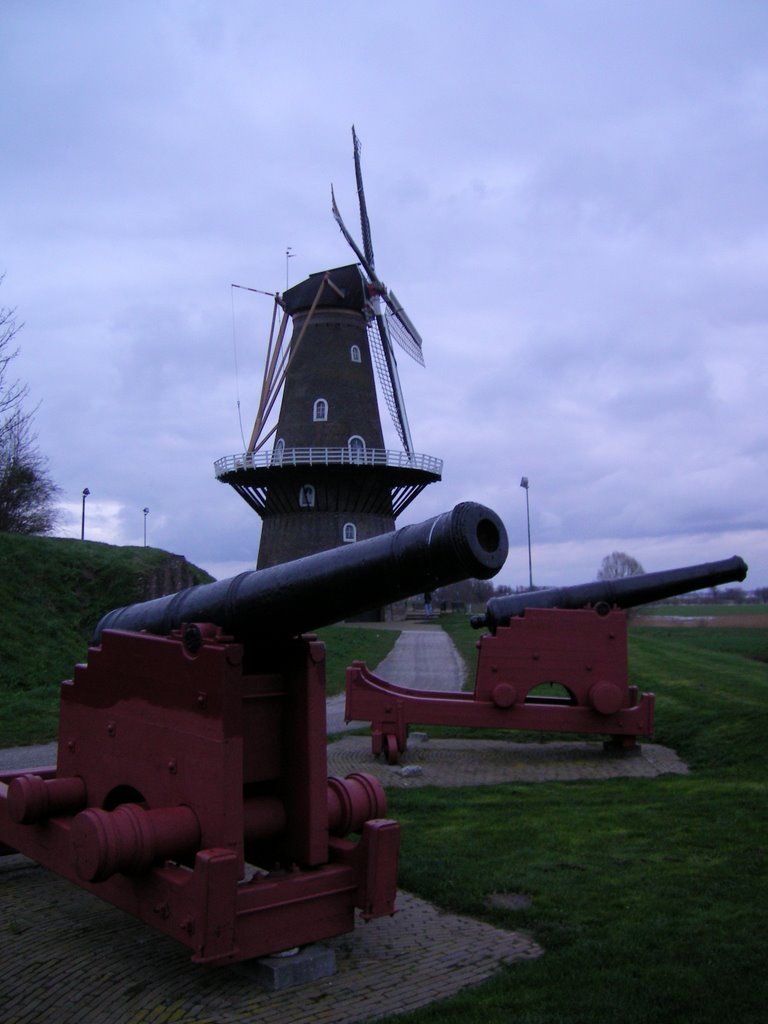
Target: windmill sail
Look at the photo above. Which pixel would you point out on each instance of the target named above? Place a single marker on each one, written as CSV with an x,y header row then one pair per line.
x,y
391,320
402,330
365,225
351,242
401,421
385,380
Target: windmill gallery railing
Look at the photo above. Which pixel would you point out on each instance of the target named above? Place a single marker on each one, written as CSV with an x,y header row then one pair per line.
x,y
342,456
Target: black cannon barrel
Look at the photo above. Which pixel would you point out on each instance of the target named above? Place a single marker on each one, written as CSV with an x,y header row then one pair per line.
x,y
280,602
627,592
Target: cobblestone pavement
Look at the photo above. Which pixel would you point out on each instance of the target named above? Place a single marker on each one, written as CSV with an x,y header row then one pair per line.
x,y
69,958
437,762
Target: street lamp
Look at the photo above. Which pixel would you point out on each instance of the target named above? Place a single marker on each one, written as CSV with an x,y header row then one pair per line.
x,y
146,513
86,492
524,485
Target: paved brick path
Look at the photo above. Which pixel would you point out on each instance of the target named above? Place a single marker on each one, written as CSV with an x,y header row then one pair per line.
x,y
490,762
69,958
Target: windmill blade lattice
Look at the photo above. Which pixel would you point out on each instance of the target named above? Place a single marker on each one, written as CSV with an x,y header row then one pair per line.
x,y
382,371
406,337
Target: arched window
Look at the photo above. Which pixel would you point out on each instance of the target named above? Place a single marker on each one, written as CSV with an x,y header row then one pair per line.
x,y
307,496
320,410
356,447
349,534
354,354
277,452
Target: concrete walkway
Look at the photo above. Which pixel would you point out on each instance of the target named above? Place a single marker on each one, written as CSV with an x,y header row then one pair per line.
x,y
423,657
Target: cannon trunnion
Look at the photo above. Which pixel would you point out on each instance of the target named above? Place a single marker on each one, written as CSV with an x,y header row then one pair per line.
x,y
191,784
574,637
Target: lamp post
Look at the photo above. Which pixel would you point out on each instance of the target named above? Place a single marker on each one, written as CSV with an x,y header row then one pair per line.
x,y
146,513
524,485
86,492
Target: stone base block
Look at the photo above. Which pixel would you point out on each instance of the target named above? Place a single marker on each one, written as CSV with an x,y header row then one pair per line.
x,y
274,973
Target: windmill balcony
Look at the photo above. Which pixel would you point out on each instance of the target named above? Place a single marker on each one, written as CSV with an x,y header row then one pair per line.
x,y
360,481
343,456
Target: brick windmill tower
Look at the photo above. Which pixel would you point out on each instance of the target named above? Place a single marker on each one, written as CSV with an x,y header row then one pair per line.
x,y
327,478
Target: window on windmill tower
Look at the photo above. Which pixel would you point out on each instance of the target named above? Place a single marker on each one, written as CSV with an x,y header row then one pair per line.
x,y
277,453
356,449
307,496
354,354
320,410
349,534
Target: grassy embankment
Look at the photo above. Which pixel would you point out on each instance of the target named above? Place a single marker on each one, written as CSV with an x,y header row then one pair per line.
x,y
53,592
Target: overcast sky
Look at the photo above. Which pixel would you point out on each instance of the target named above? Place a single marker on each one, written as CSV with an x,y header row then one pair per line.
x,y
570,199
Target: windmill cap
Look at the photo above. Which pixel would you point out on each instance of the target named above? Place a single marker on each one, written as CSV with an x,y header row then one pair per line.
x,y
345,289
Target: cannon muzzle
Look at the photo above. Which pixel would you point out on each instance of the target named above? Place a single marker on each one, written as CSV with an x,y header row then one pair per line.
x,y
627,592
285,600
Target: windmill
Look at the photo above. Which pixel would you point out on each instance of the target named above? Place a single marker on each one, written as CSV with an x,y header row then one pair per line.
x,y
327,478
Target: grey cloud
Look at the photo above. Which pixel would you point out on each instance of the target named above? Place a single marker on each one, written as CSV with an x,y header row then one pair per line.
x,y
570,202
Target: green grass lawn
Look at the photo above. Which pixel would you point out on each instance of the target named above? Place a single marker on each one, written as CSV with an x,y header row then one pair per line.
x,y
649,896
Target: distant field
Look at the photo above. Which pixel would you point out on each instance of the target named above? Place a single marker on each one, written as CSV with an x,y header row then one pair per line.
x,y
703,610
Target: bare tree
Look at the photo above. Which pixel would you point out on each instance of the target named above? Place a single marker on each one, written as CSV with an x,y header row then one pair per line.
x,y
27,493
12,393
619,564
